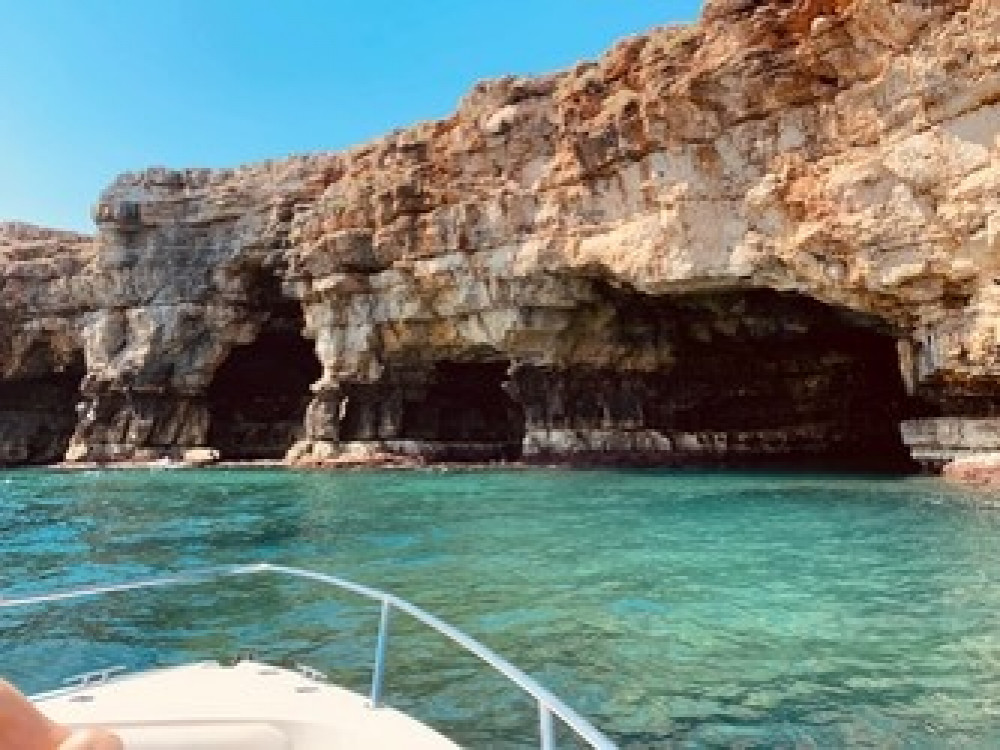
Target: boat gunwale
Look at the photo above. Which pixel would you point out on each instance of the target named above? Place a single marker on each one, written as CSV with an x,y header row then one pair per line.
x,y
548,703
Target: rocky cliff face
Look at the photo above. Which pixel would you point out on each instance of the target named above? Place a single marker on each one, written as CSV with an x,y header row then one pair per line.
x,y
770,237
41,347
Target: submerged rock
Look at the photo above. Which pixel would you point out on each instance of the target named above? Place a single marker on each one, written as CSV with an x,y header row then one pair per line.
x,y
771,237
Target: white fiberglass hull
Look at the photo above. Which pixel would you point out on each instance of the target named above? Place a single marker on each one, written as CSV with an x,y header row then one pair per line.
x,y
249,706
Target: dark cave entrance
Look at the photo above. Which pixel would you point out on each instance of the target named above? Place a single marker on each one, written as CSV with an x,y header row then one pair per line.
x,y
755,378
38,413
258,397
471,413
810,389
452,410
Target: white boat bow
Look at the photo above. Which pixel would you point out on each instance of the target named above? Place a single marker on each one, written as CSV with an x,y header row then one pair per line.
x,y
254,706
247,706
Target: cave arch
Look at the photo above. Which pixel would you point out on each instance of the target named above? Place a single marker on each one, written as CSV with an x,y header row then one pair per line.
x,y
737,377
258,397
467,410
456,410
38,409
751,377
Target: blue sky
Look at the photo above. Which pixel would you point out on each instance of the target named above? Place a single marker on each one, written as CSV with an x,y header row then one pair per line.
x,y
91,88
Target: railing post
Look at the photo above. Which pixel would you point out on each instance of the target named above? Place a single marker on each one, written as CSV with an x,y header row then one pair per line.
x,y
378,672
546,730
550,708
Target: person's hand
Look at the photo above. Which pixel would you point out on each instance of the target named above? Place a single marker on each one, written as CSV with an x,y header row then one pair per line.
x,y
92,739
24,727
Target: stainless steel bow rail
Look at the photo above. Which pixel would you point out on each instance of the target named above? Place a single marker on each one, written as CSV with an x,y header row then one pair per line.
x,y
549,706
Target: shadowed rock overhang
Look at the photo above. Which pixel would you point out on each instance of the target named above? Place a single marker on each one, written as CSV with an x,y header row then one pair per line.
x,y
575,249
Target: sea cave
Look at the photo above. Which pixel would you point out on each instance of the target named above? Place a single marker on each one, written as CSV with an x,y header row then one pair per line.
x,y
258,397
38,411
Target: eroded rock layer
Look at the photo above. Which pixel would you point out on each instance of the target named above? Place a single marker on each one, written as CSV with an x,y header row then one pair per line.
x,y
769,237
41,344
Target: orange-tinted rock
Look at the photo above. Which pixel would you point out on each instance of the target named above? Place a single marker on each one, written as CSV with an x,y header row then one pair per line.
x,y
844,152
981,469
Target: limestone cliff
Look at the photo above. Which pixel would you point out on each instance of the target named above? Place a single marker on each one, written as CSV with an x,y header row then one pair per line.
x,y
41,349
772,236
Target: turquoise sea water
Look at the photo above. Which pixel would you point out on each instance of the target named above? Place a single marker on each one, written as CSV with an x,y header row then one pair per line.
x,y
674,609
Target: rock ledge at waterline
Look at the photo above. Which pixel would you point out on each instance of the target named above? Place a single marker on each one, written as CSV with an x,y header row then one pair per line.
x,y
770,237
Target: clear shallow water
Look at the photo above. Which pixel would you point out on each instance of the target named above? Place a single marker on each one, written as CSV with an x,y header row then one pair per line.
x,y
675,609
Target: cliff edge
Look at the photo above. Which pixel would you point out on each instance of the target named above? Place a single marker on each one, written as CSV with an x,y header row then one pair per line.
x,y
772,237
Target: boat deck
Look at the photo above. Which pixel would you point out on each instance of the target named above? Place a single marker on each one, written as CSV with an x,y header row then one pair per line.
x,y
251,706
